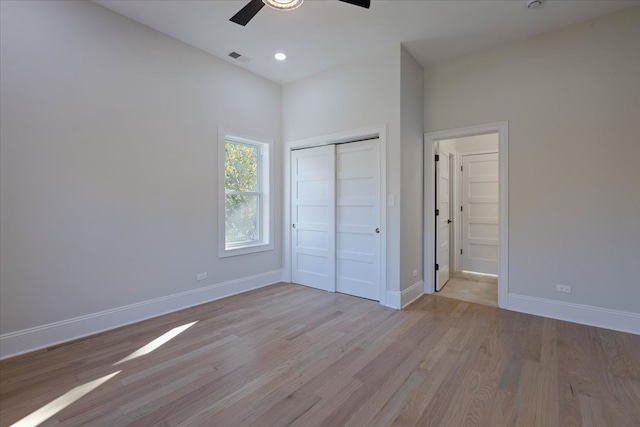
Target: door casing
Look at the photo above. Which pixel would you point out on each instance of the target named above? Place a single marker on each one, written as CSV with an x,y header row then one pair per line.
x,y
430,139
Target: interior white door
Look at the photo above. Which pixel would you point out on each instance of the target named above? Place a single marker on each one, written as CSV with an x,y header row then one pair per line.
x,y
443,218
480,213
358,219
313,248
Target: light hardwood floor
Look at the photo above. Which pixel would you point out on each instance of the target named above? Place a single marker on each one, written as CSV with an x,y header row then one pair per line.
x,y
291,355
472,288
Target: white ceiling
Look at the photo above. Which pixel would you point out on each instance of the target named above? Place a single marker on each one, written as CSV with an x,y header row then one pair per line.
x,y
324,33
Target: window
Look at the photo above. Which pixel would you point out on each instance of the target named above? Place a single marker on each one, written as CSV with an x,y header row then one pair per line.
x,y
244,225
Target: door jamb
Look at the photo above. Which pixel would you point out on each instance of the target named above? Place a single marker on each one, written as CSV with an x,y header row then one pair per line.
x,y
376,131
502,128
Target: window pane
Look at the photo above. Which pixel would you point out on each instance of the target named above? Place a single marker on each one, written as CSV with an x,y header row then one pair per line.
x,y
241,219
241,167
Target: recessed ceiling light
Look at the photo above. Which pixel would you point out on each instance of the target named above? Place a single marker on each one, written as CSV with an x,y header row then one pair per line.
x,y
280,56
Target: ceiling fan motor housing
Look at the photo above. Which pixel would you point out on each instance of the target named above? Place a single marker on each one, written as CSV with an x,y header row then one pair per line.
x,y
532,4
253,7
283,4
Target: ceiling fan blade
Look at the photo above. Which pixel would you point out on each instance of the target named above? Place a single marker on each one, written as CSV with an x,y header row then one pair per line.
x,y
362,3
247,13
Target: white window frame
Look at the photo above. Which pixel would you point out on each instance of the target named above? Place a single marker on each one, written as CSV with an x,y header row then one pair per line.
x,y
265,184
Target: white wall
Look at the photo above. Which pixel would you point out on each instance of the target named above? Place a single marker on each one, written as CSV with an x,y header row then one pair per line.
x,y
411,137
360,94
108,173
572,99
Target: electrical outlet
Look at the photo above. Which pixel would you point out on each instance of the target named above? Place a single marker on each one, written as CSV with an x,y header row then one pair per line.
x,y
201,276
415,273
563,288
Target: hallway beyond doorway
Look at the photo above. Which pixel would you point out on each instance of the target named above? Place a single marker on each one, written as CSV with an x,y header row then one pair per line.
x,y
471,287
431,252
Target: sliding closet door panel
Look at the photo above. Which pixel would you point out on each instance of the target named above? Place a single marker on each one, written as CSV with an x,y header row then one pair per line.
x,y
313,217
358,219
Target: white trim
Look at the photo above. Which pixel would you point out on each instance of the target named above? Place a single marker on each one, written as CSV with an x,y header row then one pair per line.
x,y
457,220
617,320
412,293
27,340
400,300
267,222
502,128
475,153
393,299
377,131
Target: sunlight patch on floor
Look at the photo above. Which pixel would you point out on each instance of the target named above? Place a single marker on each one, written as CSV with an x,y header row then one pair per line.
x,y
162,339
49,410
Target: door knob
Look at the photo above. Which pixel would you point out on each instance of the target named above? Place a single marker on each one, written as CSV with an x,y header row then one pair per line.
x,y
378,230
294,226
448,221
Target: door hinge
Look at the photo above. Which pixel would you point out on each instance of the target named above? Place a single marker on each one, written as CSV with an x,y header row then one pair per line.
x,y
460,251
437,267
460,208
461,169
437,212
437,157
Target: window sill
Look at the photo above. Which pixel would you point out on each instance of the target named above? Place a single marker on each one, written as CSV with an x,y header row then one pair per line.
x,y
243,250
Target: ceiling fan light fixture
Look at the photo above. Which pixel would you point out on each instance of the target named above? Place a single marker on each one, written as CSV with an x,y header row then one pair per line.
x,y
283,4
534,4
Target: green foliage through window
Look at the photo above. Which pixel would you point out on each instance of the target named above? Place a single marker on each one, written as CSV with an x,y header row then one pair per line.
x,y
240,167
242,193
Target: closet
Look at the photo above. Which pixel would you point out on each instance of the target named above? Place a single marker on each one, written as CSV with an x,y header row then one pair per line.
x,y
335,215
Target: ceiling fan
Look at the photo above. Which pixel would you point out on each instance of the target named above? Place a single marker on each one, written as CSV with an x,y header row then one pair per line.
x,y
247,13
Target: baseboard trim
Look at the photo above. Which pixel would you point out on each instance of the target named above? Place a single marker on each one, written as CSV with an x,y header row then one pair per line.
x,y
412,293
39,337
393,300
616,320
400,300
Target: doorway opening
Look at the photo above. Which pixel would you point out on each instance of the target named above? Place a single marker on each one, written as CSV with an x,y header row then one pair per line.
x,y
466,214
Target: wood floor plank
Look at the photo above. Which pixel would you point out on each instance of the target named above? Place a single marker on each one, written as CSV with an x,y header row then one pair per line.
x,y
320,412
503,412
525,397
547,398
394,405
416,403
571,372
290,355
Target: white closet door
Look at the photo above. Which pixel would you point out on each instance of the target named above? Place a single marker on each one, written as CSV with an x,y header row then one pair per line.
x,y
313,246
358,219
480,213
